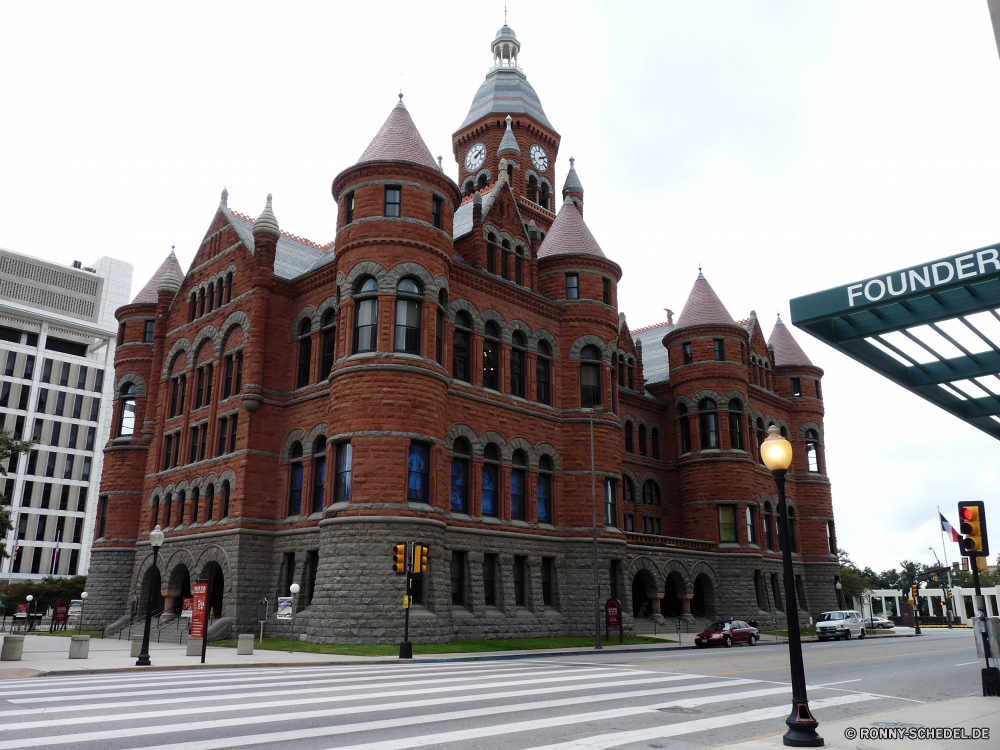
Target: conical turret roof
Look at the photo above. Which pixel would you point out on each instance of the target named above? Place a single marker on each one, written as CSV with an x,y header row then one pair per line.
x,y
148,294
786,349
572,179
509,143
569,235
703,306
398,140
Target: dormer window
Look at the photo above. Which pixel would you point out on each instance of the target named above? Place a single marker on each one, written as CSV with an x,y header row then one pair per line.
x,y
720,350
796,386
688,356
349,208
572,286
436,213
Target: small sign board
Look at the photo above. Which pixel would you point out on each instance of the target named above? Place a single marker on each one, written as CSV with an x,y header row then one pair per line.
x,y
75,607
284,608
60,613
22,610
612,611
262,610
199,608
187,607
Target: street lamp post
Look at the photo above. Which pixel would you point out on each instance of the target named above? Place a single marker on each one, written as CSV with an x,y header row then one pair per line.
x,y
155,541
593,498
293,590
776,452
83,602
840,595
31,614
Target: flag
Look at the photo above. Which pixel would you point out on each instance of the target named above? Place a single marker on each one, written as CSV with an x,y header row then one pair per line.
x,y
949,529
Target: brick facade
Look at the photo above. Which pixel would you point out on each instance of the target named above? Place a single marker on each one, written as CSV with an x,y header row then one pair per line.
x,y
489,269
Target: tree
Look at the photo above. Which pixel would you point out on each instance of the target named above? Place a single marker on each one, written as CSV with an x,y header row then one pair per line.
x,y
10,450
852,579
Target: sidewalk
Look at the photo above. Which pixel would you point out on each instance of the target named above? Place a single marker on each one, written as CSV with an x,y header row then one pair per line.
x,y
968,713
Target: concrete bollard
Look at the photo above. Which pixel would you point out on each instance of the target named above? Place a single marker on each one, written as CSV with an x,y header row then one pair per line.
x,y
194,647
13,647
136,645
79,646
245,646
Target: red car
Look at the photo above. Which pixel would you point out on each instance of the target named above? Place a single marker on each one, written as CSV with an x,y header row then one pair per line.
x,y
726,634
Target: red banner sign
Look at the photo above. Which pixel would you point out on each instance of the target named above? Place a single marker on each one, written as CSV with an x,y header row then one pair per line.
x,y
613,613
200,604
60,612
22,610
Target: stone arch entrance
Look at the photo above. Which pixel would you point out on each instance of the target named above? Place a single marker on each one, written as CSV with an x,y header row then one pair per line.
x,y
676,600
703,602
644,600
150,593
178,589
216,590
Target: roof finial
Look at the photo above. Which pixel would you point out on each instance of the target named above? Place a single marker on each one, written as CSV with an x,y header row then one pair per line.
x,y
267,223
505,13
225,198
440,163
172,249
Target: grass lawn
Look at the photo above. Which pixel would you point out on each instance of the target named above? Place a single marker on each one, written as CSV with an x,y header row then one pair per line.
x,y
453,647
65,633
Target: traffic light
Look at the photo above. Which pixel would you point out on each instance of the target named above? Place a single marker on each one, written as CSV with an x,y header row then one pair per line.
x,y
934,576
419,559
972,525
399,558
949,593
965,564
913,591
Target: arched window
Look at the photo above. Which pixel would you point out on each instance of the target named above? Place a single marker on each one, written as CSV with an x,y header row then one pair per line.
x,y
218,293
517,364
791,530
491,478
760,439
460,476
229,287
631,374
505,258
768,526
736,441
210,503
193,310
319,473
518,259
481,182
409,302
329,342
460,346
651,493
543,394
543,200
295,481
225,499
590,377
629,490
685,428
751,525
517,485
812,451
533,189
491,357
195,499
784,432
181,507
642,440
126,417
366,316
621,370
418,473
342,481
656,443
210,297
709,424
439,326
201,302
544,490
305,353
166,501
491,253
629,446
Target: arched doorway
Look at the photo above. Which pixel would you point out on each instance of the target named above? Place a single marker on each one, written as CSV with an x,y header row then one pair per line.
x,y
642,585
216,590
703,603
151,591
672,590
177,590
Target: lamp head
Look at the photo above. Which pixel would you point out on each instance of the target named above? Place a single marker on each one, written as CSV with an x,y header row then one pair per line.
x,y
156,537
84,595
294,588
30,598
776,451
839,585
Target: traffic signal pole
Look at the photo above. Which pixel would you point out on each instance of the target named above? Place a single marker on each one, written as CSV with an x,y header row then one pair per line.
x,y
406,648
991,675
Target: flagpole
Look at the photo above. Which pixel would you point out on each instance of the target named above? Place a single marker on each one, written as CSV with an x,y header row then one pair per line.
x,y
944,549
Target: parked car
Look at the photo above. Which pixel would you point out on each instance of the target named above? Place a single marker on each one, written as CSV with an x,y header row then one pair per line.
x,y
726,634
840,623
880,623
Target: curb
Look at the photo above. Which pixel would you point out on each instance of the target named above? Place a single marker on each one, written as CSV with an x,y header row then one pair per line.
x,y
542,654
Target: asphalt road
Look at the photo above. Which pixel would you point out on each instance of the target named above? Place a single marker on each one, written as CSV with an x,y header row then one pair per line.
x,y
664,699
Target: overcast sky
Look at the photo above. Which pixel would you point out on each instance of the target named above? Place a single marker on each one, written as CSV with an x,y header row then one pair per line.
x,y
786,146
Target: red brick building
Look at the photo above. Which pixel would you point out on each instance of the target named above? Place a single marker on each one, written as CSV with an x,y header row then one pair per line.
x,y
432,376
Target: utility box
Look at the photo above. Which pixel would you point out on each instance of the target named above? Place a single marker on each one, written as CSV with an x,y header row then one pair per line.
x,y
991,626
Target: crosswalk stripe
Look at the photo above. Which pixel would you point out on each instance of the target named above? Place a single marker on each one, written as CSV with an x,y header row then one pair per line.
x,y
232,705
422,740
338,681
618,739
215,724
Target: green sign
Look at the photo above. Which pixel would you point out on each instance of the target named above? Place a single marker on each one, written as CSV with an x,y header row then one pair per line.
x,y
969,268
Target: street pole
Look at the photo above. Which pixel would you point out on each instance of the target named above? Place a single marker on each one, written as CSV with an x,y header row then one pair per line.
x,y
949,604
83,603
406,648
990,675
155,540
293,590
597,577
776,453
916,607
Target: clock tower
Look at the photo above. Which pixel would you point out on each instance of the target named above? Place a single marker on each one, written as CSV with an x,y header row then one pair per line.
x,y
507,128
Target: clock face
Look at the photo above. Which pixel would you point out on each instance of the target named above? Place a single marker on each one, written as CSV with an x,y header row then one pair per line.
x,y
475,158
539,158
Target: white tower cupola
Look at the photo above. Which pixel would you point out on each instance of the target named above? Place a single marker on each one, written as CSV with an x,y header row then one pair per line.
x,y
505,48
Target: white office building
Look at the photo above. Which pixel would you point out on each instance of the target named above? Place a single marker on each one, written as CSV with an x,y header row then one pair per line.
x,y
57,341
